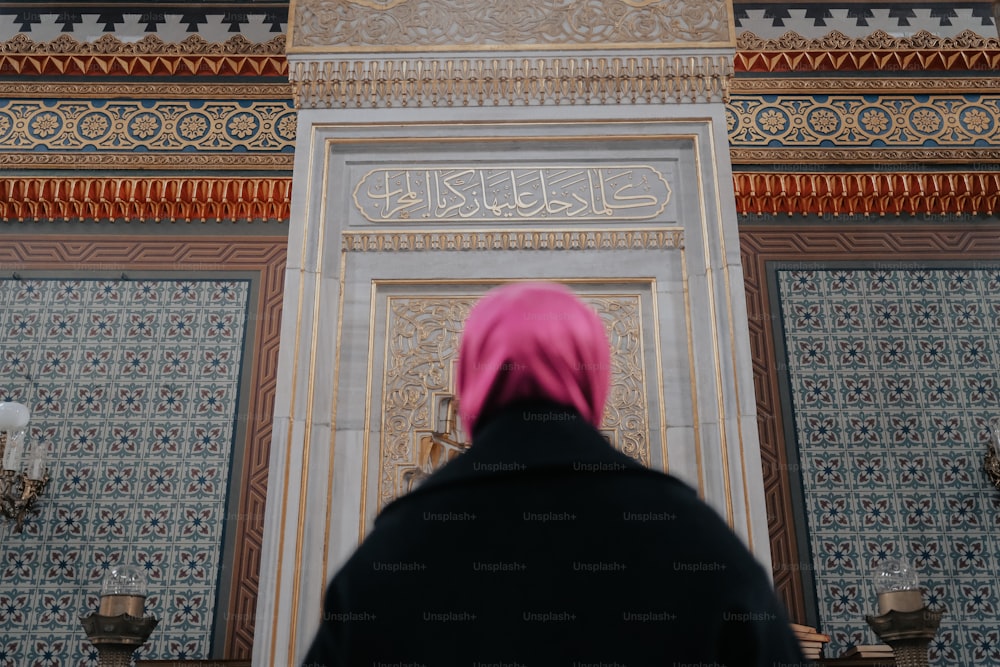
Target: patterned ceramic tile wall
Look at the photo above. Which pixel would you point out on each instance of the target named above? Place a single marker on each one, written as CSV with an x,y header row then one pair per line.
x,y
134,388
893,377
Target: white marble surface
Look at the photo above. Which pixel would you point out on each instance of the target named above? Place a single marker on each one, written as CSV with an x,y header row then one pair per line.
x,y
304,522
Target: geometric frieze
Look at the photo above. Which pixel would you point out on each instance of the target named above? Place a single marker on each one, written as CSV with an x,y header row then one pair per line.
x,y
188,125
879,51
268,126
857,120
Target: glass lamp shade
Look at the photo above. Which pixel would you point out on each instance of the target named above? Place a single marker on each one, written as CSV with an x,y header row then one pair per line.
x,y
896,575
898,588
124,580
123,592
13,416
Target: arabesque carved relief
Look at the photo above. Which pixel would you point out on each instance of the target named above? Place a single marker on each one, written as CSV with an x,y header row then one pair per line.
x,y
423,335
475,25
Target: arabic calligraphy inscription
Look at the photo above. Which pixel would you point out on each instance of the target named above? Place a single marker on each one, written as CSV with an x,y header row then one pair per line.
x,y
513,194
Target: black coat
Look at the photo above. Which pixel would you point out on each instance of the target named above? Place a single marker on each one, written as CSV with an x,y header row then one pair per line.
x,y
543,546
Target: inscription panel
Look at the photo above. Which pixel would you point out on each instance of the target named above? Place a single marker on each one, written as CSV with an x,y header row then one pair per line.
x,y
505,183
513,193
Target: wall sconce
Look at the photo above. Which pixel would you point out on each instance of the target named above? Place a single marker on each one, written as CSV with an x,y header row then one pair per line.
x,y
904,623
119,627
991,462
24,475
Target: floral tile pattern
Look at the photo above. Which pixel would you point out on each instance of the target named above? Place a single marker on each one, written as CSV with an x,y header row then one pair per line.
x,y
892,375
133,388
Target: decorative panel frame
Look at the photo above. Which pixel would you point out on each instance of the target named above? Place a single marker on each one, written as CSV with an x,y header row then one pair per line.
x,y
419,323
806,246
266,258
344,244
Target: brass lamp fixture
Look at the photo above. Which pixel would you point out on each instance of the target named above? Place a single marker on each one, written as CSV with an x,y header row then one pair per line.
x,y
119,627
904,623
991,462
25,474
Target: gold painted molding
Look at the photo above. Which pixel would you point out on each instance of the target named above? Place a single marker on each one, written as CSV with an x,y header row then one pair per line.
x,y
885,156
147,90
916,84
185,161
514,239
510,81
393,26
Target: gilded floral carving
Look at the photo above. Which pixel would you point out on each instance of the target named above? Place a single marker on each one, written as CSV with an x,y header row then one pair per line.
x,y
423,335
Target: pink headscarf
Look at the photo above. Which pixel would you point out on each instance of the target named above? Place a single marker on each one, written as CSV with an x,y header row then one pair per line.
x,y
532,341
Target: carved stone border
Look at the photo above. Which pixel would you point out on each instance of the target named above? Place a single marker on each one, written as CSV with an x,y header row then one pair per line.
x,y
770,85
762,245
263,255
150,56
168,160
877,52
535,80
877,40
431,25
157,90
515,239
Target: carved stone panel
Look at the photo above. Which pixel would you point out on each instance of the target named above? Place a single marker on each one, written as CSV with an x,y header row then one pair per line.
x,y
421,341
480,25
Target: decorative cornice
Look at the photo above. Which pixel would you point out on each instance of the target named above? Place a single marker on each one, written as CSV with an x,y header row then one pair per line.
x,y
874,194
510,81
886,157
417,241
150,56
145,199
879,52
879,40
394,26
